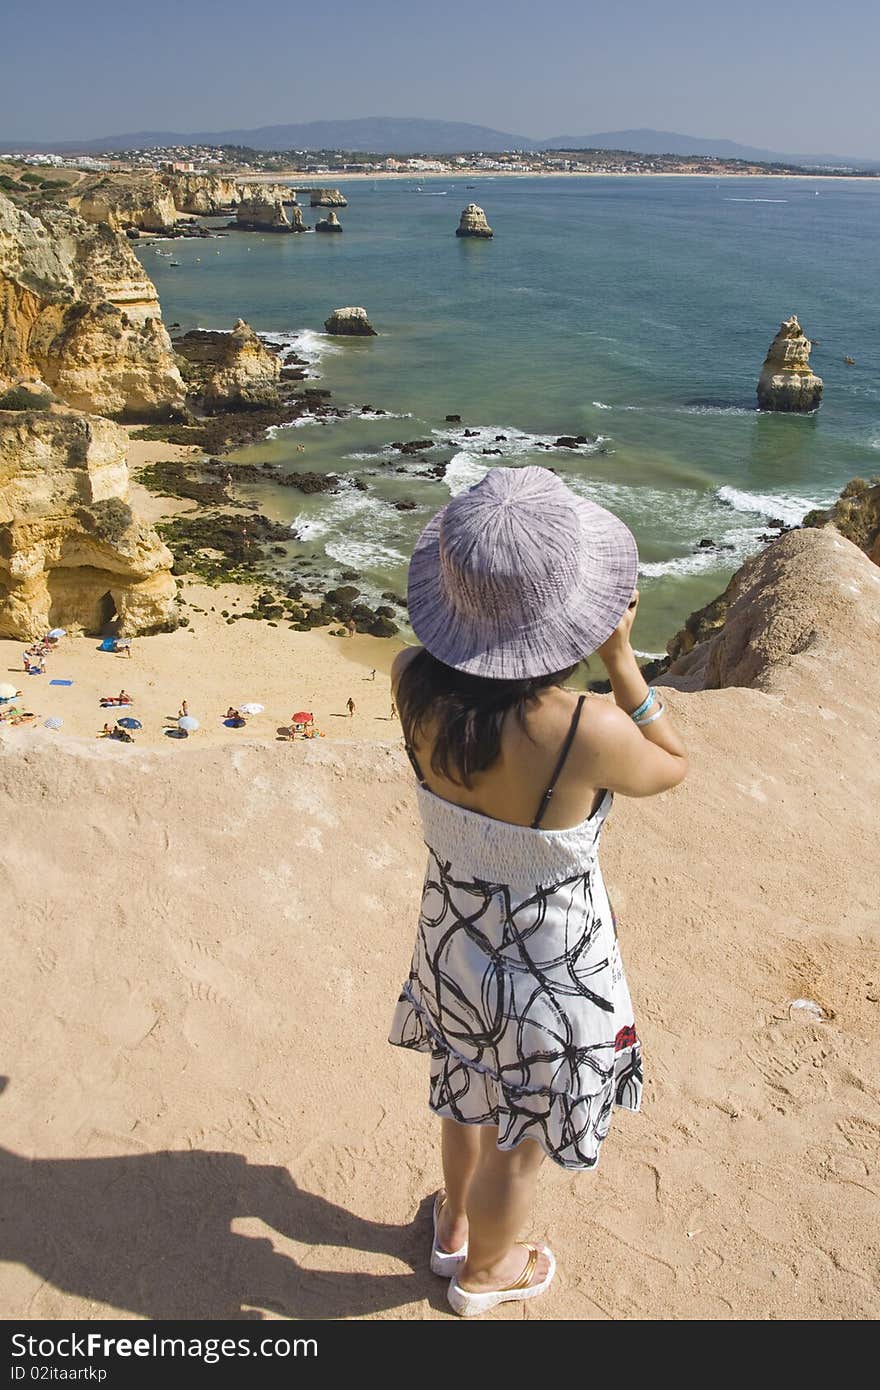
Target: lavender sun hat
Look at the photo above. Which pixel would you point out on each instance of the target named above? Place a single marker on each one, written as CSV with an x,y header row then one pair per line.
x,y
518,577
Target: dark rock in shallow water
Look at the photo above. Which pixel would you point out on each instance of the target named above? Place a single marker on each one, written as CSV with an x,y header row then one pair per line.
x,y
404,506
776,523
453,419
498,452
705,544
346,593
571,441
382,627
413,446
311,482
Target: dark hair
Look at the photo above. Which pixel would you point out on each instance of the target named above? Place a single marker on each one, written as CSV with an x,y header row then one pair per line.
x,y
468,712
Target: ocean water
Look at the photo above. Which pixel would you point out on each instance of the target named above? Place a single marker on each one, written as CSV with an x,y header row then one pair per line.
x,y
635,309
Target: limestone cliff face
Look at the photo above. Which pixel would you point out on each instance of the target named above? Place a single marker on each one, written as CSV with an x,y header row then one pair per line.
x,y
230,371
78,310
786,382
71,552
327,198
203,195
473,223
145,202
264,212
856,515
350,323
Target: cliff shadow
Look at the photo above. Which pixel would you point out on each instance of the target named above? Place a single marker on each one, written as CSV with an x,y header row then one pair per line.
x,y
151,1234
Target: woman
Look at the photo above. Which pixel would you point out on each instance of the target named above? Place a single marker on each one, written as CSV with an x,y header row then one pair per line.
x,y
516,986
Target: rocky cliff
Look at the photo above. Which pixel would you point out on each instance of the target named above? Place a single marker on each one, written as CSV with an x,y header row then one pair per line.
x,y
473,223
856,515
71,552
787,381
145,202
327,198
263,212
230,371
78,310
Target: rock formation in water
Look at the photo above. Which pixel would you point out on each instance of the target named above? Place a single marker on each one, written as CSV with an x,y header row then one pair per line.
x,y
230,371
350,323
786,381
265,213
78,311
327,198
855,514
72,554
330,223
473,222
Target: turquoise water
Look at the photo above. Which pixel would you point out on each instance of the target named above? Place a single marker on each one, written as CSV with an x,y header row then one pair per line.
x,y
639,310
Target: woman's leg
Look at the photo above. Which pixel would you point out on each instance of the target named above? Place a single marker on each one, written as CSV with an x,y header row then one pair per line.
x,y
499,1204
460,1149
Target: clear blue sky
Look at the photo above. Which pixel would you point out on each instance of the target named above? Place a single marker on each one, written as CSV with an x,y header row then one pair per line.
x,y
793,77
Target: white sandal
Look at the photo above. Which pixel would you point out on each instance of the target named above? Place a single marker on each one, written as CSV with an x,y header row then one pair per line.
x,y
444,1262
469,1305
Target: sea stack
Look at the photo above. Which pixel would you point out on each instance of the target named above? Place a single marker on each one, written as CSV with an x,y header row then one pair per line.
x,y
473,223
350,323
327,198
264,213
786,381
330,223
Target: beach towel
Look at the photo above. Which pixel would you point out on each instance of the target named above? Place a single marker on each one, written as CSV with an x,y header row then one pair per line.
x,y
56,682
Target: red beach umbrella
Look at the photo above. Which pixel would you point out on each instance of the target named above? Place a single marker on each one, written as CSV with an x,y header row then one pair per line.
x,y
302,718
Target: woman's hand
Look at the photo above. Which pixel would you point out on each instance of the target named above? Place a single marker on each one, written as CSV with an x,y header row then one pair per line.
x,y
619,640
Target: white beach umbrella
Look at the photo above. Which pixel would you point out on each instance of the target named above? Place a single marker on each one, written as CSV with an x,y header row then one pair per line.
x,y
58,632
188,724
53,722
7,691
252,708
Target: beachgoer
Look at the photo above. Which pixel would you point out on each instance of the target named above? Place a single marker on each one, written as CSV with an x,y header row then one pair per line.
x,y
373,674
350,707
516,987
352,627
27,663
227,482
393,708
183,711
124,698
106,731
231,713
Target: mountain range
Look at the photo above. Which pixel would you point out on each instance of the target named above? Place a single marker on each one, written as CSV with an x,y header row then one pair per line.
x,y
411,135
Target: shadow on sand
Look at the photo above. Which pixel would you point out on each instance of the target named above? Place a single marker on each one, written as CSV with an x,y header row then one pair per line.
x,y
151,1234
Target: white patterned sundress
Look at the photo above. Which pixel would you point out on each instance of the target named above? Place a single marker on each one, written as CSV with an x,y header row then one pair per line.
x,y
516,986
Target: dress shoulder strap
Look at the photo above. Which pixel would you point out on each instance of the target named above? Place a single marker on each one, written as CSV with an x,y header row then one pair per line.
x,y
569,740
414,764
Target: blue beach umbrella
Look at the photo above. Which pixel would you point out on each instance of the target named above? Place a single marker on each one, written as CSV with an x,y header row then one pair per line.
x,y
127,722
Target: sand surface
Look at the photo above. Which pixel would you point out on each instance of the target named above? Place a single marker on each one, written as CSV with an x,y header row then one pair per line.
x,y
201,956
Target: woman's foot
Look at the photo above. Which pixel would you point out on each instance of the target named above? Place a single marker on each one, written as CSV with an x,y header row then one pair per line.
x,y
484,1290
452,1227
508,1270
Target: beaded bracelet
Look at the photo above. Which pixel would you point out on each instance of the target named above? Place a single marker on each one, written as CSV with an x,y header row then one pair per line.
x,y
646,704
651,717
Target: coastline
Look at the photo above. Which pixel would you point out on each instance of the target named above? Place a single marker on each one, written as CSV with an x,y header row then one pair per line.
x,y
334,179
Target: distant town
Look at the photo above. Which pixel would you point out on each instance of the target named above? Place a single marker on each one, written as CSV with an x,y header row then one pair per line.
x,y
234,159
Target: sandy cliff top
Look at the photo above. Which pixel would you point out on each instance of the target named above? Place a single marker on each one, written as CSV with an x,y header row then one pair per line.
x,y
202,960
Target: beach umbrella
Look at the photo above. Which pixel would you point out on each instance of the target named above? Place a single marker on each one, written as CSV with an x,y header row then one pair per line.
x,y
251,708
127,722
53,722
58,632
188,724
7,691
303,717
